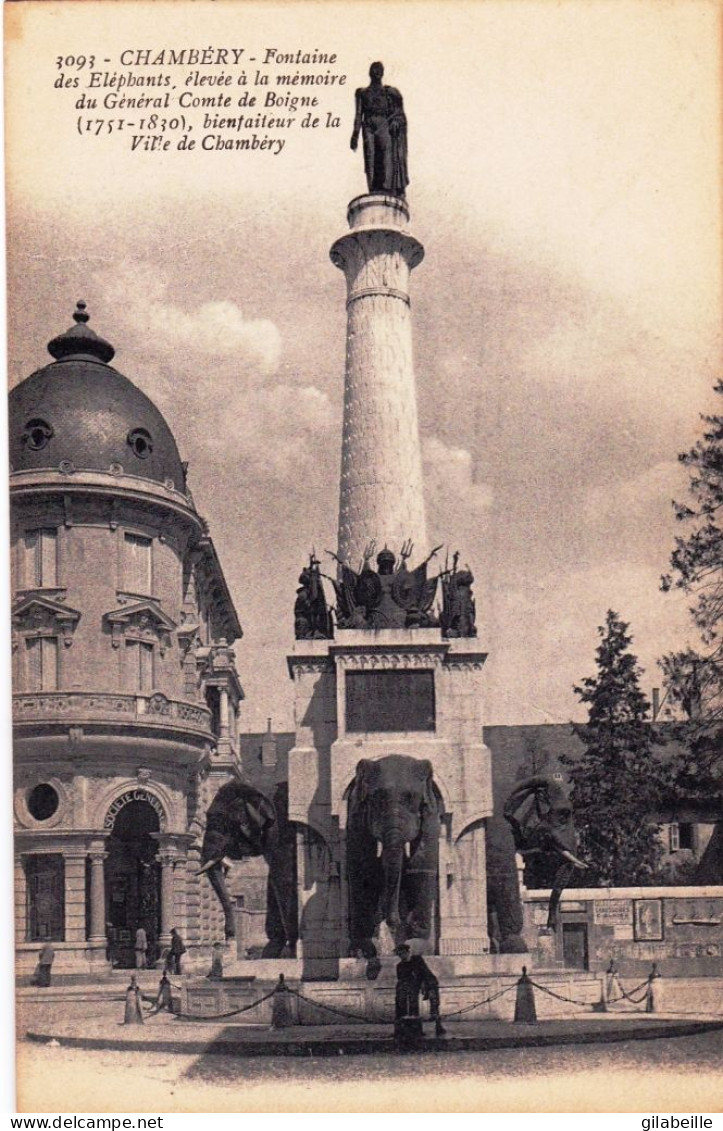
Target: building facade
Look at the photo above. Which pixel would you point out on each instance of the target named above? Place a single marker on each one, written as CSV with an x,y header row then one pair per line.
x,y
125,692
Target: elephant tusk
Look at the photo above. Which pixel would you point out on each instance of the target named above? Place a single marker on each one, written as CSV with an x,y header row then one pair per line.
x,y
209,865
407,849
380,849
574,860
226,864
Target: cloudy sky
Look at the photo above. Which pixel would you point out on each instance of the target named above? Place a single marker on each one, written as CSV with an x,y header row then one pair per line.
x,y
564,162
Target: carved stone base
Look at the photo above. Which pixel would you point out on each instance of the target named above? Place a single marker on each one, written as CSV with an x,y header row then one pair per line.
x,y
464,946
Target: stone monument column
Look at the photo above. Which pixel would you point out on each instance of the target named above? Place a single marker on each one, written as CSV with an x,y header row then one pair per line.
x,y
381,495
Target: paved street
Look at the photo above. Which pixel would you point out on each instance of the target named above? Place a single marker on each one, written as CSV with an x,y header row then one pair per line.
x,y
674,1074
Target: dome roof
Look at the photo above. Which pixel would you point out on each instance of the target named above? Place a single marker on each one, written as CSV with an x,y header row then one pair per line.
x,y
78,410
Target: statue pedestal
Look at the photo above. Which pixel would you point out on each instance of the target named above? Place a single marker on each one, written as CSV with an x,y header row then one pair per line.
x,y
343,691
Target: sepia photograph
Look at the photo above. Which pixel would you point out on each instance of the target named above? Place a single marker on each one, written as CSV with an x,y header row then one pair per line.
x,y
365,444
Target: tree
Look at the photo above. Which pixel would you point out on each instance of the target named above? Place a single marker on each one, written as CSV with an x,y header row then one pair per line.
x,y
694,677
617,780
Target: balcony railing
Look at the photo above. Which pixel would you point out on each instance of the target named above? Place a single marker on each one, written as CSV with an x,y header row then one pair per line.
x,y
100,707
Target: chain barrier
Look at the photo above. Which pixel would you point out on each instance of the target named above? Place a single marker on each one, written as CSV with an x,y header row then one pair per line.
x,y
367,1020
476,1004
228,1013
329,1008
561,997
626,995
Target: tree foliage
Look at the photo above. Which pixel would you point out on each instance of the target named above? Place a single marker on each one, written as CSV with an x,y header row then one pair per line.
x,y
694,677
617,781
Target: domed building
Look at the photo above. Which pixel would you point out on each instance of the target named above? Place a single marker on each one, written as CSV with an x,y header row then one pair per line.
x,y
125,691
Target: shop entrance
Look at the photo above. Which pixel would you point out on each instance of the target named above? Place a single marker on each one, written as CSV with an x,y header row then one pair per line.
x,y
133,884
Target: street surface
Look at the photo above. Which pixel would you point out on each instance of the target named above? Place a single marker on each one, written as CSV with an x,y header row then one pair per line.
x,y
683,1074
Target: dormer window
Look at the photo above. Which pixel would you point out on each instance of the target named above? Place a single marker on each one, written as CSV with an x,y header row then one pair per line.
x,y
37,434
141,443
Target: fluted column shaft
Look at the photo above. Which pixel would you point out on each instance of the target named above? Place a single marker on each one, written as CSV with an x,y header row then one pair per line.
x,y
382,495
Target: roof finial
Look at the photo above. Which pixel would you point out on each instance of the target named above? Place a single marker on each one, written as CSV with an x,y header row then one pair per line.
x,y
80,340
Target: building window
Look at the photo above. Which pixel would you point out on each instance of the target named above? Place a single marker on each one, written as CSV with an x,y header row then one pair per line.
x,y
213,702
137,574
43,801
685,835
37,434
42,663
141,443
139,666
40,567
45,879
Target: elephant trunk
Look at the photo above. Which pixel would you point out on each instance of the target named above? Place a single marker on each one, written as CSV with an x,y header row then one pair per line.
x,y
393,842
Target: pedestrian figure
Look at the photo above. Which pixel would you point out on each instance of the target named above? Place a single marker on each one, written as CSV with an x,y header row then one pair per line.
x,y
177,949
280,1011
164,999
654,992
43,969
525,1012
414,978
141,948
613,991
134,1009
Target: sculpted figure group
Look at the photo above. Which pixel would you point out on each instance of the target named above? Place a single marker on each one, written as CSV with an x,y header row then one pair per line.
x,y
390,596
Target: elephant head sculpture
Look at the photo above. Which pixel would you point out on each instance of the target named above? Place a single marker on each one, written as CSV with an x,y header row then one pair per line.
x,y
539,812
242,822
392,850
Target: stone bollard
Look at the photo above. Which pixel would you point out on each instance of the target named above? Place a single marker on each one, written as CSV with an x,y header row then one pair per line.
x,y
525,1012
280,1008
133,1008
654,992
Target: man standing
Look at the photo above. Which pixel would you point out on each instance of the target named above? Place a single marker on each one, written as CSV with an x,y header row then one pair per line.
x,y
141,947
45,962
381,119
414,977
177,949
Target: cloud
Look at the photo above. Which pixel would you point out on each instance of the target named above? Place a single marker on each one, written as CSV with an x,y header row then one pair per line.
x,y
449,478
654,487
560,615
285,432
213,330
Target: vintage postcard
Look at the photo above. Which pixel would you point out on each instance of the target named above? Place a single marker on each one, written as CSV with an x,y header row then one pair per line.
x,y
351,350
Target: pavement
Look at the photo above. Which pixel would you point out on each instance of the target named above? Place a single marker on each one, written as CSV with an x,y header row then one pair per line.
x,y
91,1017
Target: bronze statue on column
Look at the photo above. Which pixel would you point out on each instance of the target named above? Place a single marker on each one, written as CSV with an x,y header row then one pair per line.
x,y
383,124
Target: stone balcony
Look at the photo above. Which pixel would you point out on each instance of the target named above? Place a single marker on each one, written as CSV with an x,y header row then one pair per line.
x,y
51,709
